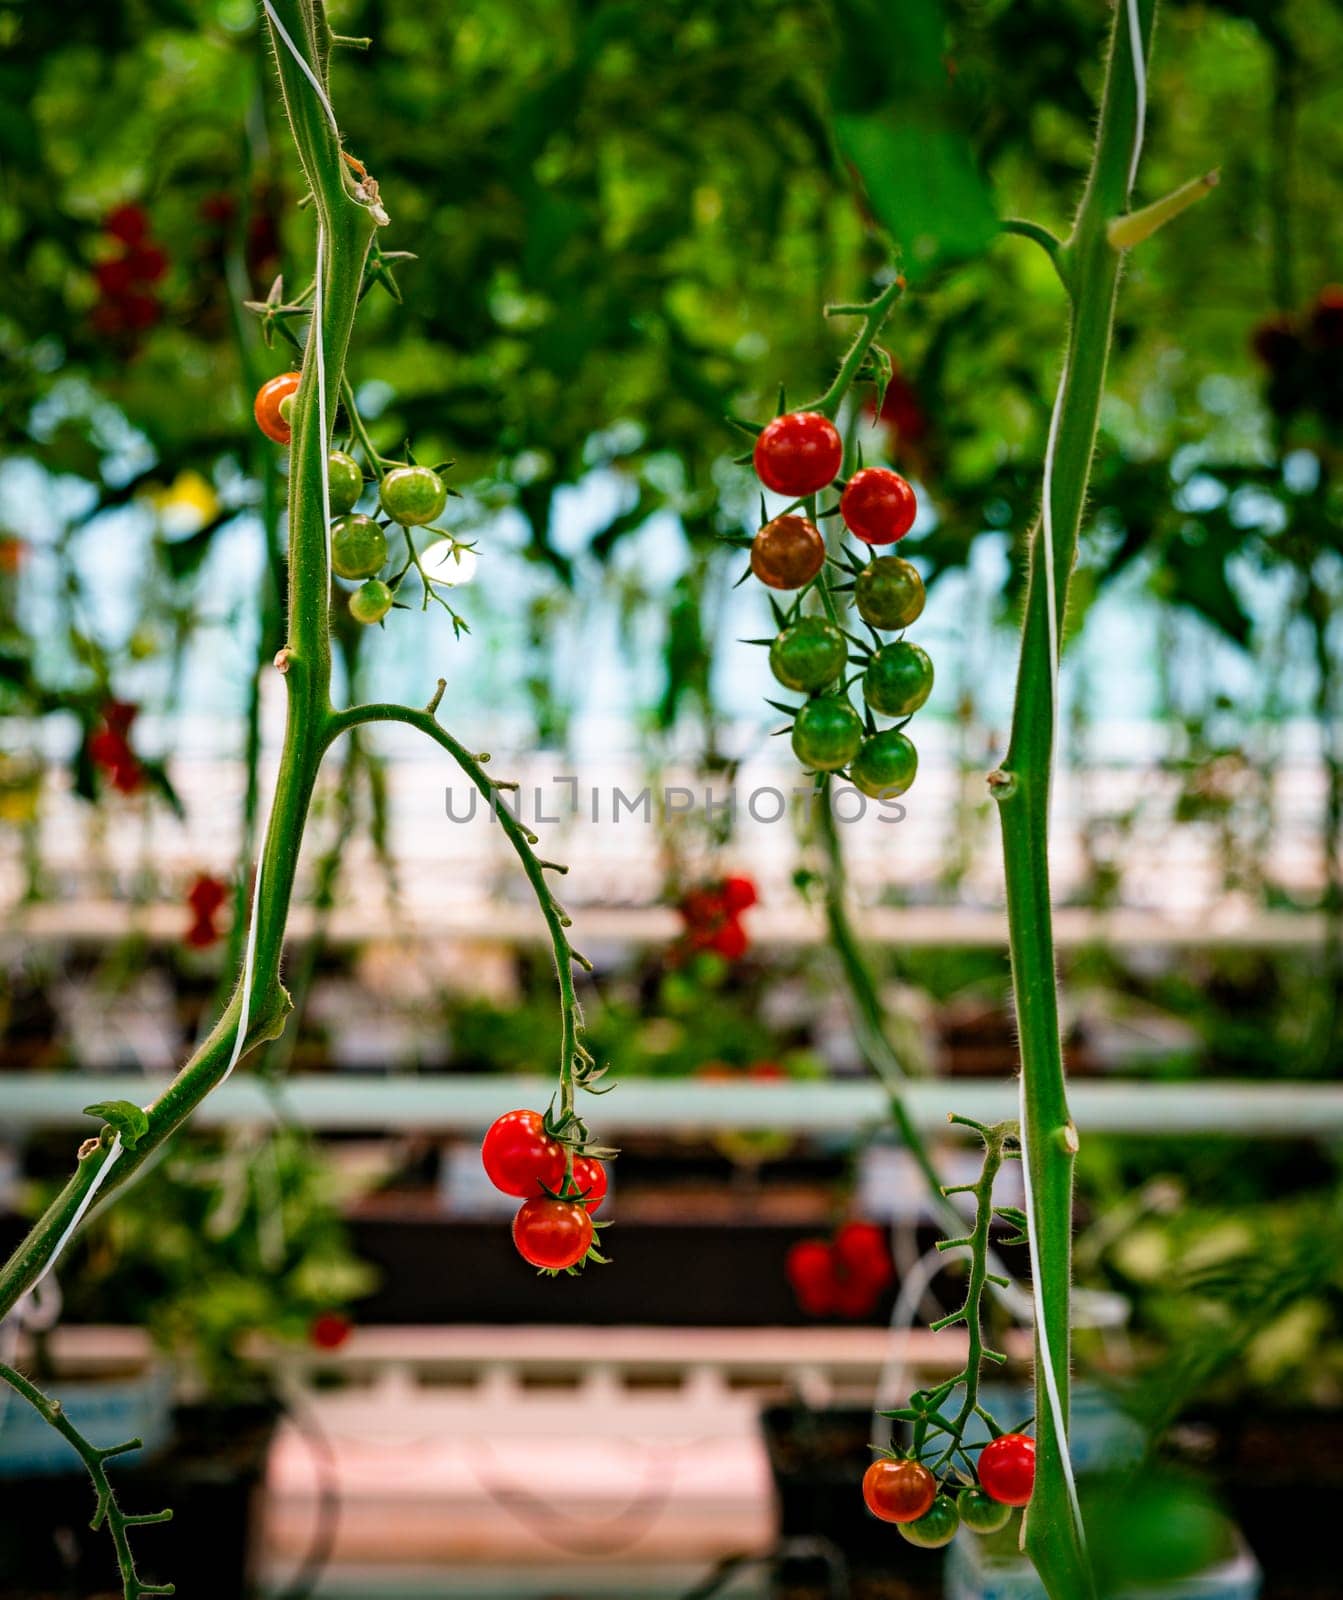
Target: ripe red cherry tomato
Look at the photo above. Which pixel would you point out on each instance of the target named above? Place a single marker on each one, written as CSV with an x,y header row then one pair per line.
x,y
520,1157
810,1276
810,1268
798,454
739,894
731,940
266,406
1007,1469
878,506
590,1181
898,1491
552,1233
862,1250
328,1330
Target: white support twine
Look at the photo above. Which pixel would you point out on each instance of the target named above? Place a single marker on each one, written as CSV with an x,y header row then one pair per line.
x,y
1051,605
1140,89
303,66
1052,1394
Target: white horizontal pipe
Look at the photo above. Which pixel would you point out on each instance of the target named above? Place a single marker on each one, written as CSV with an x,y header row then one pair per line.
x,y
468,1103
957,927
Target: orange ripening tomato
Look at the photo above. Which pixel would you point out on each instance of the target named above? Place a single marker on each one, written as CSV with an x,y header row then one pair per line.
x,y
266,406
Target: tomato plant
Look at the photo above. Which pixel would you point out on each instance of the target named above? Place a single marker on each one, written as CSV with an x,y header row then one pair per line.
x,y
345,212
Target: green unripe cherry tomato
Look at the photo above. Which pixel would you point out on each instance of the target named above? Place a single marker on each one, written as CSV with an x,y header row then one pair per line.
x,y
413,496
808,655
345,482
885,765
899,678
936,1527
371,601
358,546
981,1514
889,593
827,733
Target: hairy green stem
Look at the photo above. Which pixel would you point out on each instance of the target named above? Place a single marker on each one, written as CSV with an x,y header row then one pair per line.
x,y
874,314
577,1068
1090,268
310,723
106,1507
971,1312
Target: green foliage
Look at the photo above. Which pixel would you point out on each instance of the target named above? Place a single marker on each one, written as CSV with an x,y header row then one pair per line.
x,y
231,1236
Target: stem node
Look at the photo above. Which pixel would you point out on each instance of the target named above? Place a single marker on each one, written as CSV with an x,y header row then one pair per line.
x,y
1002,784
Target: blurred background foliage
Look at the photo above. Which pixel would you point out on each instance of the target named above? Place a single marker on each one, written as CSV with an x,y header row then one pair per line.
x,y
626,220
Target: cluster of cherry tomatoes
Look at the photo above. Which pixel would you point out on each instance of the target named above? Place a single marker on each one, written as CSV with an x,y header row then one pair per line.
x,y
712,914
901,1490
845,1276
553,1229
411,496
800,454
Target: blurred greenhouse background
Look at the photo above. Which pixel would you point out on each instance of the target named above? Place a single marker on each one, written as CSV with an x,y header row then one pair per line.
x,y
623,224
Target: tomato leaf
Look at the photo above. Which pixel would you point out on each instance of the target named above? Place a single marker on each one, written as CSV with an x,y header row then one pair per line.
x,y
129,1120
898,123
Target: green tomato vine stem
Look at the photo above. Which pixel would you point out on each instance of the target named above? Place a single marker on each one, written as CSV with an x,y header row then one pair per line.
x,y
577,1066
874,314
346,216
1090,268
996,1139
107,1509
